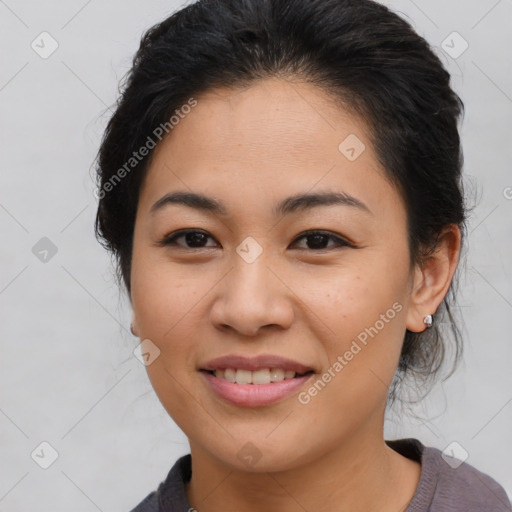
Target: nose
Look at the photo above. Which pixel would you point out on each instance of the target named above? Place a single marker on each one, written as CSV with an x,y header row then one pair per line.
x,y
250,297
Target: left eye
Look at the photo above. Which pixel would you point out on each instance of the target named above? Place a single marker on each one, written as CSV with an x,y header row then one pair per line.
x,y
319,239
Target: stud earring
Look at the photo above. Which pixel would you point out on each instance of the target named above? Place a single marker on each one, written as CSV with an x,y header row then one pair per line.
x,y
428,320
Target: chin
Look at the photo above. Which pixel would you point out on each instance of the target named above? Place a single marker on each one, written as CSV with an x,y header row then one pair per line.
x,y
258,455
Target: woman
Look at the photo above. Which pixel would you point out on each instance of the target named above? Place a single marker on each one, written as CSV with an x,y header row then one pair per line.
x,y
281,186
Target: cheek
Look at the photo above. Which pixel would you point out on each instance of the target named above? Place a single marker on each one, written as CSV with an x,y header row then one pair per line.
x,y
166,307
163,297
354,298
365,313
169,303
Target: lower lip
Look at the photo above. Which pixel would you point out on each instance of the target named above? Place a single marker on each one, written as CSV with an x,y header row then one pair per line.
x,y
254,395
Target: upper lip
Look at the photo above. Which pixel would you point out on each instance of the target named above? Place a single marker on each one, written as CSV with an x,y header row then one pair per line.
x,y
260,362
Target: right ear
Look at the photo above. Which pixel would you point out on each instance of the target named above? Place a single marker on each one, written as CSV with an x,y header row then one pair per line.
x,y
134,328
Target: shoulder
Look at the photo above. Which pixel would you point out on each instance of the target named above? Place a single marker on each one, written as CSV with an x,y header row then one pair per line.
x,y
462,485
148,504
447,483
170,495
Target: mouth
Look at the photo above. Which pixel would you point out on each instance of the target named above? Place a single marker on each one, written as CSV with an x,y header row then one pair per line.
x,y
256,381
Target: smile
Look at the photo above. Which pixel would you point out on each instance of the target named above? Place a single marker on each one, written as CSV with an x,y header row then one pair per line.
x,y
258,377
254,381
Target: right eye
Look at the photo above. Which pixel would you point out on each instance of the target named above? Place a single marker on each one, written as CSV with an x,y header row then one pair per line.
x,y
195,238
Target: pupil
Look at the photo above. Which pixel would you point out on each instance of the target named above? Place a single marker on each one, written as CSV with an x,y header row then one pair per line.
x,y
318,241
194,238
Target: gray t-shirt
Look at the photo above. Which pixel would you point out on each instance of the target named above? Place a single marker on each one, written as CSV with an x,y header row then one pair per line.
x,y
442,486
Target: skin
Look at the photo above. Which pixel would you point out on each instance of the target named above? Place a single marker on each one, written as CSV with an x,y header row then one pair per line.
x,y
250,149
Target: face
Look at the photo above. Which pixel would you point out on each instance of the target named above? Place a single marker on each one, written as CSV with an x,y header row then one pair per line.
x,y
260,285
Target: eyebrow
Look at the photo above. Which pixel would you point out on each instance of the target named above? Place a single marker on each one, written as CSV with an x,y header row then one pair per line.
x,y
296,203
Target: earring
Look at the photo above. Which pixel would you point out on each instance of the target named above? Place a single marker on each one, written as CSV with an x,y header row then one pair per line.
x,y
131,329
428,320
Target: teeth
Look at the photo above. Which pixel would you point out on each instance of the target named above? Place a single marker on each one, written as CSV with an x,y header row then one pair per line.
x,y
264,376
243,377
276,374
229,374
261,377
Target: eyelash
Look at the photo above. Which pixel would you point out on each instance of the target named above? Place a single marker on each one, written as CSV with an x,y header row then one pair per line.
x,y
170,240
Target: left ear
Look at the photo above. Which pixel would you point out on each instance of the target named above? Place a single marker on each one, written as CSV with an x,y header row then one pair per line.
x,y
433,277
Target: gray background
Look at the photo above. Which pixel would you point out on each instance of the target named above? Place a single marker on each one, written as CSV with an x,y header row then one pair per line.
x,y
67,372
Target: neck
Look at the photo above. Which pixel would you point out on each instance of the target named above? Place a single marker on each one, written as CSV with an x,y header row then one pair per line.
x,y
362,474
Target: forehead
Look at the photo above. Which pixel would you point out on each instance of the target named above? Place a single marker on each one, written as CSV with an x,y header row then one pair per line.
x,y
276,114
271,139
